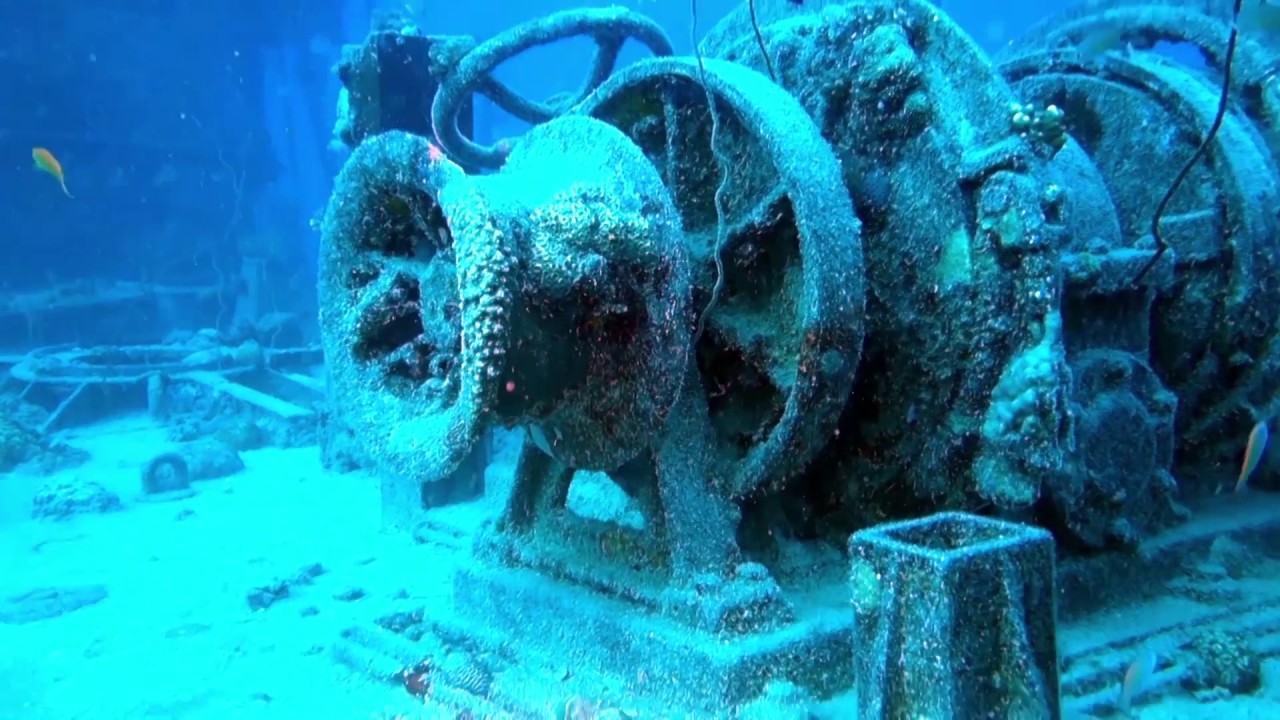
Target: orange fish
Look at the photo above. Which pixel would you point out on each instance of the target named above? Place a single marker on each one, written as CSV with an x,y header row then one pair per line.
x,y
47,162
1137,679
1253,453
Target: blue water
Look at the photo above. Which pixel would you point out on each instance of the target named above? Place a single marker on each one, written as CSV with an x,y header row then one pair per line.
x,y
496,432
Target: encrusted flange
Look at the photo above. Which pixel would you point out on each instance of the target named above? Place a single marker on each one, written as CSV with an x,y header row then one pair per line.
x,y
553,293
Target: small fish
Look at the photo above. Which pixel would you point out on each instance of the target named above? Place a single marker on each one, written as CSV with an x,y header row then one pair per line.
x,y
578,708
47,162
1137,679
1099,42
1253,453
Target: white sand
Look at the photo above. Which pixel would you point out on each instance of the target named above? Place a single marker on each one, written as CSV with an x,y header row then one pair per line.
x,y
176,637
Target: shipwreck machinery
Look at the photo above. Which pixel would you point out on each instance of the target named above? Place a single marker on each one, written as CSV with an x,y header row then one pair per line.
x,y
1213,329
836,268
562,293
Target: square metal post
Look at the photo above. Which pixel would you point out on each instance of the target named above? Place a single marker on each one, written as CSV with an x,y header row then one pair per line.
x,y
955,618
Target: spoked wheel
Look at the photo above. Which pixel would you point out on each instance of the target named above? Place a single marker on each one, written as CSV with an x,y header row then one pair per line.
x,y
1214,334
779,271
1089,29
610,28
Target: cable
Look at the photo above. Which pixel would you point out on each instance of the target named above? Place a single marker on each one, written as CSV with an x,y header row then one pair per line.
x,y
724,176
764,54
1161,244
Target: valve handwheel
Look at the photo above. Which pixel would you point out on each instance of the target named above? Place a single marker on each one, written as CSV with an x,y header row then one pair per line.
x,y
609,27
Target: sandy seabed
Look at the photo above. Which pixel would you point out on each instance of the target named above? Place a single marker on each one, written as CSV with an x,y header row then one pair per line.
x,y
175,635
